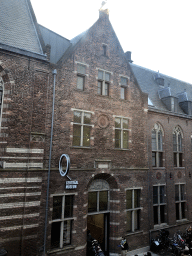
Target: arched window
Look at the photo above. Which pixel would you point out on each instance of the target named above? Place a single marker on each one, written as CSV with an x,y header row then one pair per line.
x,y
1,97
177,147
157,146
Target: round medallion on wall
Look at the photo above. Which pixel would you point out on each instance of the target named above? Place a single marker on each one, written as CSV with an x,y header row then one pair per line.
x,y
179,175
103,121
158,175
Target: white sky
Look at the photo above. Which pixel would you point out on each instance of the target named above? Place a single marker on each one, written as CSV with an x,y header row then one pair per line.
x,y
157,32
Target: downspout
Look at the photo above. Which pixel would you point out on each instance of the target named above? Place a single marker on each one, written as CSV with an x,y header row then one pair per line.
x,y
49,168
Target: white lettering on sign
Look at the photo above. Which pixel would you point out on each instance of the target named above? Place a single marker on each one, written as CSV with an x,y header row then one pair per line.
x,y
71,184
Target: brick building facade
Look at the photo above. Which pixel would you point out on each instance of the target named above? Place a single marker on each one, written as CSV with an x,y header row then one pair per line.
x,y
129,145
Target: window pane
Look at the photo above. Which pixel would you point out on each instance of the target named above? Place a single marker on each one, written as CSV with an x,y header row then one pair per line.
x,y
177,211
183,210
123,81
174,142
100,75
155,195
117,123
129,199
86,136
57,207
162,192
92,201
67,232
162,213
107,77
117,139
175,159
155,215
160,146
125,139
129,221
153,140
182,192
176,192
99,88
106,89
180,159
136,220
125,124
81,69
122,93
77,117
87,118
154,159
137,198
103,200
55,234
80,82
160,154
179,143
76,135
68,206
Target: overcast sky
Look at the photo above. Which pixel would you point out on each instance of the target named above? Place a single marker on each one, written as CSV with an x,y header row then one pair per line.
x,y
157,32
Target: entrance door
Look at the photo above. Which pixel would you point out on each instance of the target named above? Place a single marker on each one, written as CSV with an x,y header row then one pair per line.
x,y
98,226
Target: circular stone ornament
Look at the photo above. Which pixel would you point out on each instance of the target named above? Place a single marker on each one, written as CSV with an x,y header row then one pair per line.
x,y
158,175
103,121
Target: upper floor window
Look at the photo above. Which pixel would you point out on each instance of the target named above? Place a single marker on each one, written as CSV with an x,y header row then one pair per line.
x,y
103,83
62,218
159,204
133,209
81,70
177,147
180,201
157,146
121,133
81,128
1,96
104,49
124,88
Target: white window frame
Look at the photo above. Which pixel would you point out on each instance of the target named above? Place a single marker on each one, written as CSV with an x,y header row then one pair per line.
x,y
82,124
180,201
159,204
63,219
159,148
103,81
83,75
133,210
123,129
177,131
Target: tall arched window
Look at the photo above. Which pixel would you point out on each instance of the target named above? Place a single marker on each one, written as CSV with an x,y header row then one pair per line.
x,y
1,97
157,146
177,147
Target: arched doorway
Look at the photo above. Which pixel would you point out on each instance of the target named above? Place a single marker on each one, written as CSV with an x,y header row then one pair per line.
x,y
98,212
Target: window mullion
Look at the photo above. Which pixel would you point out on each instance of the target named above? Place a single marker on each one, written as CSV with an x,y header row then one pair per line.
x,y
98,201
82,120
61,234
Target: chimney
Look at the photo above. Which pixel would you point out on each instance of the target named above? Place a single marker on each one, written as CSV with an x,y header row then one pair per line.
x,y
128,56
104,13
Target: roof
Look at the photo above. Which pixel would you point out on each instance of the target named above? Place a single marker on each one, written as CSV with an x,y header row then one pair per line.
x,y
17,27
146,80
58,43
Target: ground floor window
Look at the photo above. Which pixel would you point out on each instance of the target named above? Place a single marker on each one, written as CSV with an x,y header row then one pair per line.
x,y
180,202
159,205
62,219
133,209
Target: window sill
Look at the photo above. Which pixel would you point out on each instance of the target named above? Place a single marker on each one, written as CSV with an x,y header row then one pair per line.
x,y
123,149
179,168
134,233
182,221
158,168
66,248
160,226
78,147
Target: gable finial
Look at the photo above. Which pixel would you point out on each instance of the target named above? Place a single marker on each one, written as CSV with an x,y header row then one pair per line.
x,y
103,3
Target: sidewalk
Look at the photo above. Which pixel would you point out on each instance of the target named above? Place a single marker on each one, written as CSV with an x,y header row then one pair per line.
x,y
140,252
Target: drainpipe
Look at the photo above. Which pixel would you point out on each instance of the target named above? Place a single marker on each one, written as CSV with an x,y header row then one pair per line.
x,y
48,176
